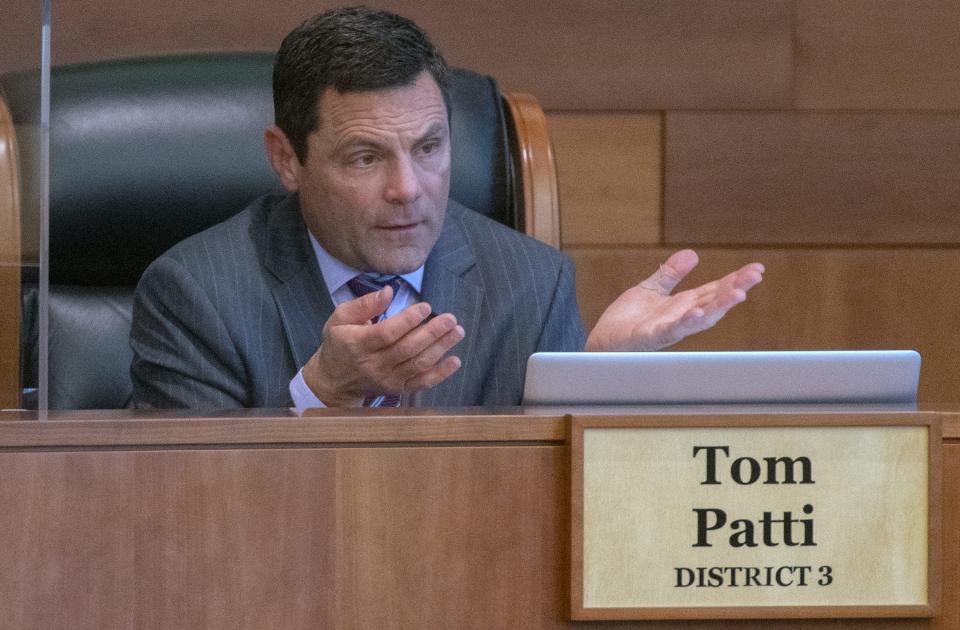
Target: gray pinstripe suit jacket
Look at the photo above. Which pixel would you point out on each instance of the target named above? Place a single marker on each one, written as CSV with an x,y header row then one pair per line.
x,y
227,317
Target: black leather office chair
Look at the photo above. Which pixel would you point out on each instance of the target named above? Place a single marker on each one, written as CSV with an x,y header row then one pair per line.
x,y
145,152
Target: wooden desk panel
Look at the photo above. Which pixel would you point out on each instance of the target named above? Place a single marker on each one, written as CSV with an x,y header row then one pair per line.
x,y
282,538
950,612
403,528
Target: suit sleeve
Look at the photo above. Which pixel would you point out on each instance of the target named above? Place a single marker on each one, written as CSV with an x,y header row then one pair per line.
x,y
183,355
563,328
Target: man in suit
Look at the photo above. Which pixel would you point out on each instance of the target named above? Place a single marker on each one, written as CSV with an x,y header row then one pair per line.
x,y
354,288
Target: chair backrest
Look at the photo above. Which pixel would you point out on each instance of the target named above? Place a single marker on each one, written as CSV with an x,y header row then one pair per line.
x,y
145,152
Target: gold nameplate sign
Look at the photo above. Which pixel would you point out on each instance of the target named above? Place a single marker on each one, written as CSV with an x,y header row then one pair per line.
x,y
755,517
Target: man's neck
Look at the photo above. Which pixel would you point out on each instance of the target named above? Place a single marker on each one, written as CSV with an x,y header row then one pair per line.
x,y
336,273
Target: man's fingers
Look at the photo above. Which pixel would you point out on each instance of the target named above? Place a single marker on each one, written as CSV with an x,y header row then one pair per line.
x,y
431,354
435,375
391,330
705,316
362,309
731,289
719,306
394,354
723,296
422,337
405,352
749,276
694,321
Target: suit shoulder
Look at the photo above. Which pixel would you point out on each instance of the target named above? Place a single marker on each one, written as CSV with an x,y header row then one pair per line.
x,y
213,252
485,233
235,236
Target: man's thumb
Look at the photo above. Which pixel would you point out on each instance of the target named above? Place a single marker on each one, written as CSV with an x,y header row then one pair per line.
x,y
671,272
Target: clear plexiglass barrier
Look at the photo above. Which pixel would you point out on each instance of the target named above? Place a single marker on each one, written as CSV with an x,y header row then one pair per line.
x,y
24,176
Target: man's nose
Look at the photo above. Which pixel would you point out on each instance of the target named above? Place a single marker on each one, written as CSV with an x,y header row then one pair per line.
x,y
403,182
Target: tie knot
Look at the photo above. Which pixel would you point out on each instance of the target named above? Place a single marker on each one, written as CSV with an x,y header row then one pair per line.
x,y
370,282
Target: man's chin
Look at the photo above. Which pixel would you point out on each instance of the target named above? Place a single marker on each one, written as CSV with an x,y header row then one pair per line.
x,y
398,263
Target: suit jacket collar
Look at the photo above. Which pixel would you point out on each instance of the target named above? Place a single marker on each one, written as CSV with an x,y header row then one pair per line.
x,y
300,294
286,244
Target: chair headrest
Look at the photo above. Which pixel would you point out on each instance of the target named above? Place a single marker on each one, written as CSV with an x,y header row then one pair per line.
x,y
145,152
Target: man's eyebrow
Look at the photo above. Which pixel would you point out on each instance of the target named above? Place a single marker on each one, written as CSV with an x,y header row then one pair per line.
x,y
358,142
361,141
436,129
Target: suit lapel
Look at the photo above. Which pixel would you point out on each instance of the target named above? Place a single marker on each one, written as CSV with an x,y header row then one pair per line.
x,y
451,285
300,293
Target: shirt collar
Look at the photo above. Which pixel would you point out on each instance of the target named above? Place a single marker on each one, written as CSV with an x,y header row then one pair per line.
x,y
336,274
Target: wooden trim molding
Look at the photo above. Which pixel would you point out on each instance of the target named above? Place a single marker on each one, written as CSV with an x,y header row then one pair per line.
x,y
536,168
9,261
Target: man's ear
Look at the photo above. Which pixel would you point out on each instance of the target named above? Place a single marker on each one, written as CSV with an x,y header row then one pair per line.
x,y
282,157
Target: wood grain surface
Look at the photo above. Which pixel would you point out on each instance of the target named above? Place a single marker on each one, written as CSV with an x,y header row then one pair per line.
x,y
342,538
950,615
812,178
572,54
610,176
9,261
576,54
895,54
280,536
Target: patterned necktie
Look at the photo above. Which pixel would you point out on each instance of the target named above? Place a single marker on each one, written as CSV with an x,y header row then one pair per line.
x,y
360,286
370,282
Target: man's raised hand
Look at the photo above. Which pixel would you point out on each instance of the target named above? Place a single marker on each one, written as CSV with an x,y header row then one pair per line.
x,y
401,354
649,316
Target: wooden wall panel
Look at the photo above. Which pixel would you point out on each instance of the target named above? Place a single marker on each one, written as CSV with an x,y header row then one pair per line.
x,y
867,54
813,299
20,29
790,177
646,54
610,177
727,177
573,54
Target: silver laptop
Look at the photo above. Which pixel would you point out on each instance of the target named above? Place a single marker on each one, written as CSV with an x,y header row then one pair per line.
x,y
679,378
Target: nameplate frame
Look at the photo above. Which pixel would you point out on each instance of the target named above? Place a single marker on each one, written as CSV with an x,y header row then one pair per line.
x,y
917,434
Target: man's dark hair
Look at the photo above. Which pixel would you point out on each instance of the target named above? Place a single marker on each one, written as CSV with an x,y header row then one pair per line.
x,y
352,49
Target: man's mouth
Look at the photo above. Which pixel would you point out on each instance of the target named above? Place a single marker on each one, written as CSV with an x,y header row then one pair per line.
x,y
400,227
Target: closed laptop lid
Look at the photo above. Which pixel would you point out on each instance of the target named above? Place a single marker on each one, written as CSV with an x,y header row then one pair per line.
x,y
677,378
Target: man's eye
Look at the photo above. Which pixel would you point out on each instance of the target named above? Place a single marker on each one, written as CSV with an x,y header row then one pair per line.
x,y
364,159
429,147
